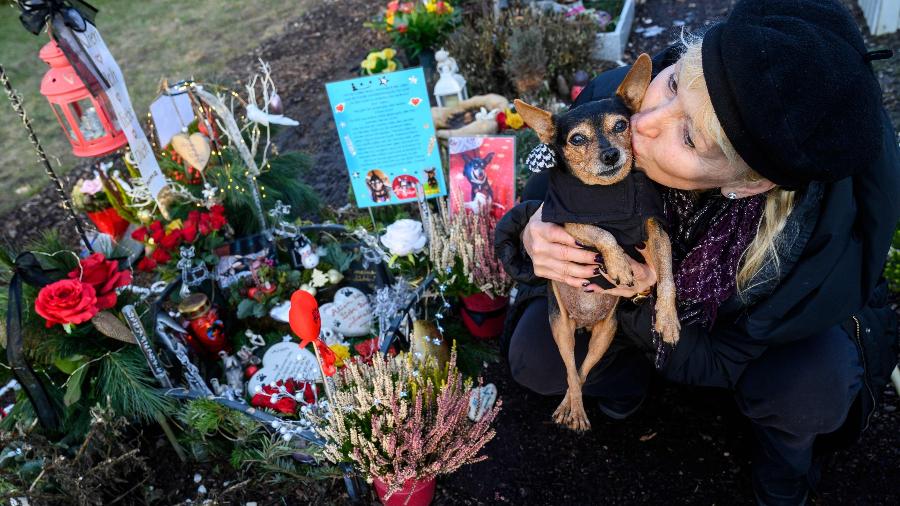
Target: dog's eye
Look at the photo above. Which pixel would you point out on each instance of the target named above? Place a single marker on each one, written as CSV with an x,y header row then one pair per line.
x,y
577,140
620,126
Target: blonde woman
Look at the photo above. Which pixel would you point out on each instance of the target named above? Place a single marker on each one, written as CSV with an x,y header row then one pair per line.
x,y
780,177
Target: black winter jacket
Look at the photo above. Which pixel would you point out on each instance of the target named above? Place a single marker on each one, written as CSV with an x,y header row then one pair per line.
x,y
833,254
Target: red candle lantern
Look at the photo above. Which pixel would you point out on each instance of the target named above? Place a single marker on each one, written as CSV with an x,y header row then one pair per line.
x,y
87,121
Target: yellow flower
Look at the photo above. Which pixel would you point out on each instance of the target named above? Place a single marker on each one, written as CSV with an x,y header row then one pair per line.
x,y
372,59
341,353
391,66
389,19
514,120
430,6
388,53
174,225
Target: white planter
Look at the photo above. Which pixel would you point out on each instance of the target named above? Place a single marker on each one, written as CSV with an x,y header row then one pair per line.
x,y
611,45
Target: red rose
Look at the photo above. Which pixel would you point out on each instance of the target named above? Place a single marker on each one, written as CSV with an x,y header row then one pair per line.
x,y
104,275
146,264
66,301
140,234
189,232
157,231
171,240
161,256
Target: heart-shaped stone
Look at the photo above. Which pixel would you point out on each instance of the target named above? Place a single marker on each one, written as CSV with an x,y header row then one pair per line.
x,y
350,314
284,361
194,149
339,107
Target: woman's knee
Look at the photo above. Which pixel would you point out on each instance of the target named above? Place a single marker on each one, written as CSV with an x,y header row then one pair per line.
x,y
805,387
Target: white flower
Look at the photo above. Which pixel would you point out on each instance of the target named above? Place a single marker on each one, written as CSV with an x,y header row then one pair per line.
x,y
404,237
92,186
319,279
334,276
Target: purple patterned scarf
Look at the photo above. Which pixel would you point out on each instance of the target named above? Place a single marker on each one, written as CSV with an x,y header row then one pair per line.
x,y
709,234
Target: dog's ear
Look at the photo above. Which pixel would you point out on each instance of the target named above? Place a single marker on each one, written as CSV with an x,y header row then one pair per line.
x,y
538,119
488,158
466,158
632,89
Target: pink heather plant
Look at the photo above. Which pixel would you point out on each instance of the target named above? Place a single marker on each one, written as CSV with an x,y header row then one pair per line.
x,y
399,420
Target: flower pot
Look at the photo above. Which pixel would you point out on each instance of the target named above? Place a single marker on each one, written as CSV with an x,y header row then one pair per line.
x,y
484,316
109,222
425,59
413,493
610,46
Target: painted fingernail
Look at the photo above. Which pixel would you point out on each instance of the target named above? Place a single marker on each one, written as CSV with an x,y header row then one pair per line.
x,y
589,291
598,259
641,245
586,283
580,245
598,270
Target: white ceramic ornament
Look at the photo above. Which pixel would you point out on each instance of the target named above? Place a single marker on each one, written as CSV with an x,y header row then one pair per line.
x,y
281,311
481,399
350,314
283,361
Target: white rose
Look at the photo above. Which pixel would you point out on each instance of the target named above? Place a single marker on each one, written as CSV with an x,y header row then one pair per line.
x,y
404,237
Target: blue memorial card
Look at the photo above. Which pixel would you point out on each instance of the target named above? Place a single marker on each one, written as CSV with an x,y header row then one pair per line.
x,y
387,134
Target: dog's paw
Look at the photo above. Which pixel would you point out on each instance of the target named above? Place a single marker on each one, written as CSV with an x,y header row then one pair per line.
x,y
667,324
618,268
570,413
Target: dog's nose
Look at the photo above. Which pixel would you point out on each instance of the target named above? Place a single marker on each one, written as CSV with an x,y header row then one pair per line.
x,y
610,156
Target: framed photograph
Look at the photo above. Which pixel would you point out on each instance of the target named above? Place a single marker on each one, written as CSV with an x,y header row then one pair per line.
x,y
482,173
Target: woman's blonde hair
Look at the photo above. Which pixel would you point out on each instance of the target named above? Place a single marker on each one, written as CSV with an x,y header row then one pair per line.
x,y
779,202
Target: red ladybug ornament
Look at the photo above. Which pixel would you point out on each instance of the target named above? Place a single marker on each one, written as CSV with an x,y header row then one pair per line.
x,y
250,371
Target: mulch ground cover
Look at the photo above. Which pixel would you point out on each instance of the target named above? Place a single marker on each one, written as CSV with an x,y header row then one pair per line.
x,y
685,446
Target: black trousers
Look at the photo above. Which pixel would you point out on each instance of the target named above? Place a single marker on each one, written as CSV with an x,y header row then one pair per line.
x,y
792,394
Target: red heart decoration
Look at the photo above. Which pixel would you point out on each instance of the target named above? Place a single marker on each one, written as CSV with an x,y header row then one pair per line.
x,y
339,108
415,101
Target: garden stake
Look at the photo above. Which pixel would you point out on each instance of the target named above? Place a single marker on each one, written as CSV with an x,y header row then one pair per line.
x,y
16,103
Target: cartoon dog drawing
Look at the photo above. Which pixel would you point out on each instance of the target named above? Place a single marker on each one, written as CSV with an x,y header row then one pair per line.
x,y
378,186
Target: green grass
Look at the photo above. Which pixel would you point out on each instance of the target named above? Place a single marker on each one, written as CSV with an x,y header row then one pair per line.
x,y
151,40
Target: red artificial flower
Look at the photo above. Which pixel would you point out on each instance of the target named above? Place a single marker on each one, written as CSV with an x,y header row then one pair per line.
x,y
368,348
407,7
161,256
401,28
104,275
171,240
68,301
501,120
140,234
441,7
146,264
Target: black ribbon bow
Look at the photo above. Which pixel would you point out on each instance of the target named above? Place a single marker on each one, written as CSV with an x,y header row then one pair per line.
x,y
37,13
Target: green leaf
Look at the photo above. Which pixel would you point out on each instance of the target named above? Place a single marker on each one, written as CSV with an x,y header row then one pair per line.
x,y
245,309
73,387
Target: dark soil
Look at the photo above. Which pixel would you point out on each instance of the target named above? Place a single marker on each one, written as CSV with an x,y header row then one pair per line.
x,y
686,445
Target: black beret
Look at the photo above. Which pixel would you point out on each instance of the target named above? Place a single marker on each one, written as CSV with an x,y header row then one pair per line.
x,y
793,90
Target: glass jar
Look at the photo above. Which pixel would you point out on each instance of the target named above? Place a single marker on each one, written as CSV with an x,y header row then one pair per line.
x,y
203,319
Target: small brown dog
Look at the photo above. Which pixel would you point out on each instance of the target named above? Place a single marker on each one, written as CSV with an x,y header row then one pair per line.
x,y
592,182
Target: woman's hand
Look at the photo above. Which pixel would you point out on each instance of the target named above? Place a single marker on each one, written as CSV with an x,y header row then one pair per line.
x,y
555,254
644,278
